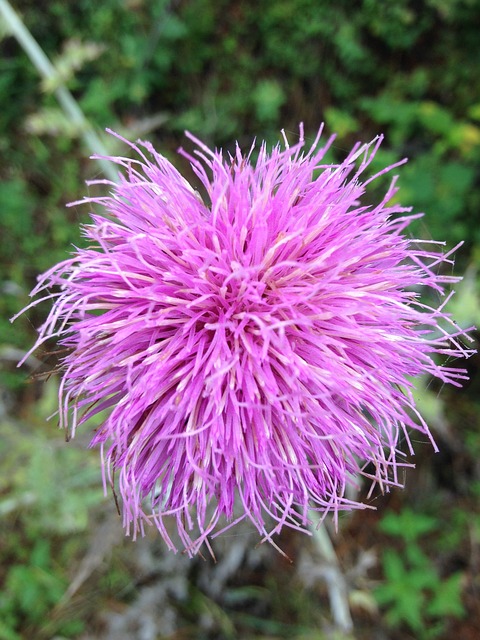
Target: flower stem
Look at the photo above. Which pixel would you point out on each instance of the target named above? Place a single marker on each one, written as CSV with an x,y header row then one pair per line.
x,y
63,95
335,580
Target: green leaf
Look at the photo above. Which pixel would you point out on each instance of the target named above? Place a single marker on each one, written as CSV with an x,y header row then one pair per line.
x,y
268,97
404,592
408,525
447,598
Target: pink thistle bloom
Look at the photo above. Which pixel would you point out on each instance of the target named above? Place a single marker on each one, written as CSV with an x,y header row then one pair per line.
x,y
256,352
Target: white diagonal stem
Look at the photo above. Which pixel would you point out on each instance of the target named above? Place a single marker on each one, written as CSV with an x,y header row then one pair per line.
x,y
46,69
335,580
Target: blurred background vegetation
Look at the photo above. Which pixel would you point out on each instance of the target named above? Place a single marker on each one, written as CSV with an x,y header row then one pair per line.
x,y
230,70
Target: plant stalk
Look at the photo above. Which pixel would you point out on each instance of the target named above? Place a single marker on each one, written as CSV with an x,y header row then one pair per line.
x,y
68,103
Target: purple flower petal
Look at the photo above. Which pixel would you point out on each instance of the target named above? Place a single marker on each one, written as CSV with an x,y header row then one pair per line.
x,y
256,351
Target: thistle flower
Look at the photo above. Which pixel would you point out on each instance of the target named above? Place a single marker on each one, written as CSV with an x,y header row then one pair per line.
x,y
256,350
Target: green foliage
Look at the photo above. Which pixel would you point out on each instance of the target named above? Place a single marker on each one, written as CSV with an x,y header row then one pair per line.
x,y
440,181
413,592
32,588
49,491
407,525
74,56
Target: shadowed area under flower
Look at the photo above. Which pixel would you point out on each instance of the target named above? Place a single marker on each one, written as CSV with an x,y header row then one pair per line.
x,y
255,351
